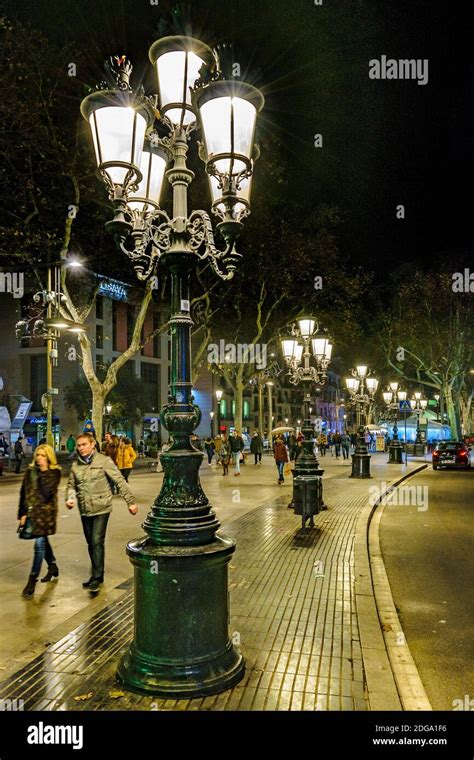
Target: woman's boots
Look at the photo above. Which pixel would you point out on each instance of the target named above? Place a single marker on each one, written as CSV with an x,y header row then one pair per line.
x,y
29,589
53,572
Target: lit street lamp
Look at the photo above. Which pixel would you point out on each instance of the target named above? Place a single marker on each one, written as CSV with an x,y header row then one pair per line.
x,y
181,645
49,329
218,399
362,391
392,397
418,406
305,343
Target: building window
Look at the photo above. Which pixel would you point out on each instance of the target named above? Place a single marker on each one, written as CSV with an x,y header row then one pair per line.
x,y
223,409
149,373
99,307
99,336
232,406
246,409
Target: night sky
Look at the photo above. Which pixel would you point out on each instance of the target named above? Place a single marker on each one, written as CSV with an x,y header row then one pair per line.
x,y
384,142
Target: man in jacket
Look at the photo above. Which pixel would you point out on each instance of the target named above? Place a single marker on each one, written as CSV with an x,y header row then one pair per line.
x,y
89,486
256,447
236,446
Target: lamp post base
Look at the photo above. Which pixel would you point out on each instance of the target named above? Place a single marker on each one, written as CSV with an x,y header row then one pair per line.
x,y
395,453
360,466
181,646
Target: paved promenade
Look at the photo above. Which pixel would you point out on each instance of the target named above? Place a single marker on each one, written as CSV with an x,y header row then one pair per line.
x,y
302,607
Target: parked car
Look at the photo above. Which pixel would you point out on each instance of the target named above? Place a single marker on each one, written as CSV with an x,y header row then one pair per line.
x,y
451,454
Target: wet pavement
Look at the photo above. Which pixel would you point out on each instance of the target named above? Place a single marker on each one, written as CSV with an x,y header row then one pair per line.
x,y
293,608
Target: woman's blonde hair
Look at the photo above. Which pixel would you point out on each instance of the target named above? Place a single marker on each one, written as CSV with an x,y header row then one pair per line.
x,y
50,455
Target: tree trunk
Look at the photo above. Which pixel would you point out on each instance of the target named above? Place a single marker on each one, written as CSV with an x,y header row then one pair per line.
x,y
453,418
98,400
238,397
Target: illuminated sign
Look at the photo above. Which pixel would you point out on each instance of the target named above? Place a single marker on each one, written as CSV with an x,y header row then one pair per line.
x,y
113,289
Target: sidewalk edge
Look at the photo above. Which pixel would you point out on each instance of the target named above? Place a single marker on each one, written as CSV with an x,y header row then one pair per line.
x,y
393,682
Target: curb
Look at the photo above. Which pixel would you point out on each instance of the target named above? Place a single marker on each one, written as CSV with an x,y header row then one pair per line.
x,y
393,682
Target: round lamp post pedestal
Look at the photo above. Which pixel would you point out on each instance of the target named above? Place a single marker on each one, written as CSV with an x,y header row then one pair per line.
x,y
361,457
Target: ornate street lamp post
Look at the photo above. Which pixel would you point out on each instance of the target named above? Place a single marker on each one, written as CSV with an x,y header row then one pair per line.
x,y
181,645
211,415
362,390
392,398
270,385
418,406
49,329
306,342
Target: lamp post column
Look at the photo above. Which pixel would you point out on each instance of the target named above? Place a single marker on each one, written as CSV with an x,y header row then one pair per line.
x,y
395,450
260,408
181,645
49,370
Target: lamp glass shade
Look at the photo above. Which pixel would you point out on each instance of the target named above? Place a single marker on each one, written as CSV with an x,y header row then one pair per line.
x,y
413,403
394,387
362,370
306,327
319,347
219,394
423,403
372,384
152,167
228,124
402,395
118,133
288,348
171,69
298,352
328,351
352,384
417,395
387,397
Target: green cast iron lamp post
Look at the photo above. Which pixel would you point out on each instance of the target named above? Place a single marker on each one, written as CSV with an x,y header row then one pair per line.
x,y
181,645
392,397
362,391
304,342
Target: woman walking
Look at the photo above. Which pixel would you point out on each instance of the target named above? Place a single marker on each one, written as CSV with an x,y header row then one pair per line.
x,y
281,457
38,511
125,457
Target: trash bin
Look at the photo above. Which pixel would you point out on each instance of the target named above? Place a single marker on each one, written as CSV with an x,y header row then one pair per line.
x,y
307,497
